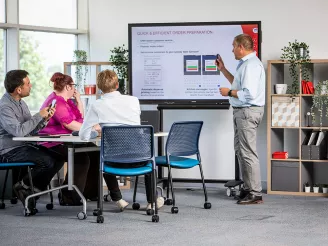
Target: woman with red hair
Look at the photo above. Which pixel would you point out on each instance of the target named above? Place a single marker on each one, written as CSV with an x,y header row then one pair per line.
x,y
67,118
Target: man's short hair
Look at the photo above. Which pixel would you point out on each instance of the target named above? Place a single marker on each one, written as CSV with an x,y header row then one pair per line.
x,y
245,40
14,79
107,81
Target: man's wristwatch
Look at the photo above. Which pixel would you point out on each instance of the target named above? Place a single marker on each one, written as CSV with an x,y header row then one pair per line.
x,y
229,93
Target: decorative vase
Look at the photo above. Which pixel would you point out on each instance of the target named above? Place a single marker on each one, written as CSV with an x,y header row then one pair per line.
x,y
315,189
307,189
324,189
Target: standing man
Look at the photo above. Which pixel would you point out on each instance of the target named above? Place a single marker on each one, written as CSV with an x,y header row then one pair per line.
x,y
247,98
17,121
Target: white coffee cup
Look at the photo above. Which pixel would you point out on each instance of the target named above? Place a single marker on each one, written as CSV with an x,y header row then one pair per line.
x,y
281,88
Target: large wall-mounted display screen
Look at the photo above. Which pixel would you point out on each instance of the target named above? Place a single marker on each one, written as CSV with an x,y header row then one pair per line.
x,y
175,62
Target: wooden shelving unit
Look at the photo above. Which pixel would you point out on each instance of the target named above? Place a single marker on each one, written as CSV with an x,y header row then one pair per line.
x,y
287,176
98,65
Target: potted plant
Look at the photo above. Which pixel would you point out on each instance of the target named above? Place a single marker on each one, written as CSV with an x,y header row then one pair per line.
x,y
315,188
320,101
297,54
79,60
307,187
120,61
325,188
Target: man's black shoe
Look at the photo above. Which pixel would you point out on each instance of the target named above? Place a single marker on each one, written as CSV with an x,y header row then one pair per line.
x,y
243,193
250,199
67,201
22,193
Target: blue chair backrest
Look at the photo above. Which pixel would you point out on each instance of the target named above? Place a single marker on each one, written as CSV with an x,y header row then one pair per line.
x,y
183,138
127,144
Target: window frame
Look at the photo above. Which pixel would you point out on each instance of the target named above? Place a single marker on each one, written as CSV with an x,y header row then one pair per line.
x,y
12,29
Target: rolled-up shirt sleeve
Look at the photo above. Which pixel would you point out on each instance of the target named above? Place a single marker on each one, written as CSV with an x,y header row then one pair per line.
x,y
90,120
250,76
14,127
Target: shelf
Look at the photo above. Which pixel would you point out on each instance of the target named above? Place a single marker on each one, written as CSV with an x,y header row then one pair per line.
x,y
91,94
314,161
284,127
311,95
287,176
286,61
284,95
89,63
314,128
293,193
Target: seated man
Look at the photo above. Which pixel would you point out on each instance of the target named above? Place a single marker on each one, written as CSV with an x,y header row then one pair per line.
x,y
113,108
16,121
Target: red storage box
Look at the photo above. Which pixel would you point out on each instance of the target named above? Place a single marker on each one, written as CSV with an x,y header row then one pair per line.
x,y
280,155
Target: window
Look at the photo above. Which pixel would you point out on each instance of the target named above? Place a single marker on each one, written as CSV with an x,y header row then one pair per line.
x,y
2,11
2,61
50,13
41,55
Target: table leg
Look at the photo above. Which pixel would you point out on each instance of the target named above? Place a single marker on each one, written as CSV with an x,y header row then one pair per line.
x,y
70,175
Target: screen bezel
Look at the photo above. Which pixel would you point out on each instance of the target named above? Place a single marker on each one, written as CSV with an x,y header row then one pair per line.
x,y
185,101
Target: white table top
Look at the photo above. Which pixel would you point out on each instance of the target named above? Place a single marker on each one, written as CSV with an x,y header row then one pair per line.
x,y
71,139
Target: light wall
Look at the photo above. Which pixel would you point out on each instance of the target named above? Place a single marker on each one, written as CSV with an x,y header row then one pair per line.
x,y
282,22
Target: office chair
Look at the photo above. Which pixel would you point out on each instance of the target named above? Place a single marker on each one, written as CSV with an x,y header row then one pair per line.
x,y
11,165
127,151
182,142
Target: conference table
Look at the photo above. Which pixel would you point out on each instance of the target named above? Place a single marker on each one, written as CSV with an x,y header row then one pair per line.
x,y
72,143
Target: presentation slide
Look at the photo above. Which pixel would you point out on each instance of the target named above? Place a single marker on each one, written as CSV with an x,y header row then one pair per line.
x,y
178,62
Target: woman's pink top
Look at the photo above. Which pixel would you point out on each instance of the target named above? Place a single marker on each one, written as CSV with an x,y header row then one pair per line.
x,y
66,112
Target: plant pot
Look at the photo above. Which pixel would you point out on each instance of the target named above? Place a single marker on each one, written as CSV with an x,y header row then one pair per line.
x,y
315,189
89,89
324,190
281,88
307,189
302,52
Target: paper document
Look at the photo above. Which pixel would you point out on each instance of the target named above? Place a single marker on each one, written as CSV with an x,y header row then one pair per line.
x,y
313,135
320,138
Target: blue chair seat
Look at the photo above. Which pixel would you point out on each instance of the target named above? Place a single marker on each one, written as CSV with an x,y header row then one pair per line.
x,y
135,171
15,164
177,162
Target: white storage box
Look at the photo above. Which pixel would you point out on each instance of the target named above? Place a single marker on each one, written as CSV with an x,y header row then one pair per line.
x,y
285,111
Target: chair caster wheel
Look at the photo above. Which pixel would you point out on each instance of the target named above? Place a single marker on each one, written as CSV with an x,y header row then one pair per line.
x,y
13,200
82,216
2,206
155,218
100,219
135,206
207,205
168,202
150,211
174,210
49,206
106,198
230,191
